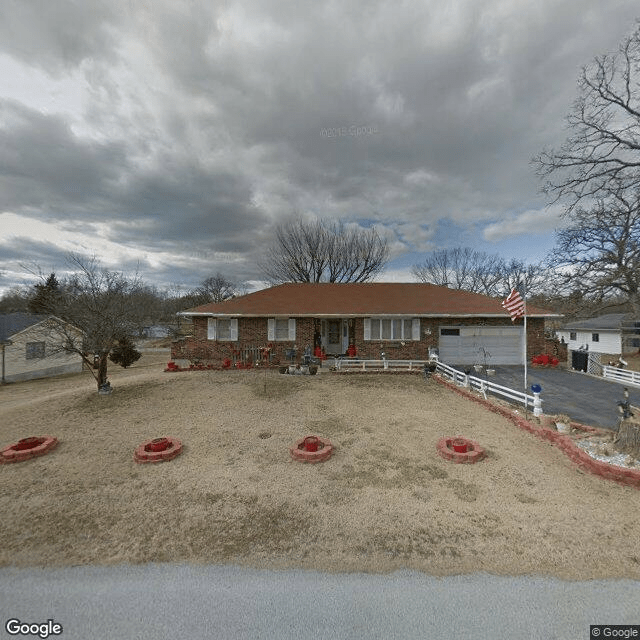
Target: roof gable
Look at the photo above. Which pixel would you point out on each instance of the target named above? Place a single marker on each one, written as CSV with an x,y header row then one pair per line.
x,y
360,299
12,323
610,321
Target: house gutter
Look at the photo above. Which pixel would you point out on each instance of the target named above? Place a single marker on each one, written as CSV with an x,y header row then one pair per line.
x,y
359,315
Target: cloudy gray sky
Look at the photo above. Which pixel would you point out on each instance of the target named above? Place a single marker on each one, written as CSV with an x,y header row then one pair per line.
x,y
175,134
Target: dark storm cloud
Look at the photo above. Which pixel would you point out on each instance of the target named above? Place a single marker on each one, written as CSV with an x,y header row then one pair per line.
x,y
56,35
45,169
201,125
43,254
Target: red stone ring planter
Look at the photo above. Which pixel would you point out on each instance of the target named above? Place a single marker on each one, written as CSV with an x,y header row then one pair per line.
x,y
311,449
460,450
158,450
27,448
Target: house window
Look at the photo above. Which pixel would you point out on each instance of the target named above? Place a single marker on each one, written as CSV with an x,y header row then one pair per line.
x,y
35,350
573,335
595,337
281,329
392,329
225,329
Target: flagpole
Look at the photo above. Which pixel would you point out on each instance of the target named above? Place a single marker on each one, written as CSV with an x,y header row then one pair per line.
x,y
526,404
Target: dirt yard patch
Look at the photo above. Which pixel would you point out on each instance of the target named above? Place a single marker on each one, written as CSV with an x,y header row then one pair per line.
x,y
385,499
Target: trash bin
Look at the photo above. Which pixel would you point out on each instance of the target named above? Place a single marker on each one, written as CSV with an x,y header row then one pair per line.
x,y
579,360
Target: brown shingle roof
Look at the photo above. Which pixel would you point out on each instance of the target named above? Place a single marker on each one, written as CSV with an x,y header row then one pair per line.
x,y
359,299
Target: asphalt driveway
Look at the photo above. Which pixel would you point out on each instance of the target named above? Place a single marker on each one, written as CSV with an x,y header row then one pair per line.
x,y
585,398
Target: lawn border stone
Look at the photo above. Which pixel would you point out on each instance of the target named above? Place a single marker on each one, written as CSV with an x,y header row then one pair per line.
x,y
566,443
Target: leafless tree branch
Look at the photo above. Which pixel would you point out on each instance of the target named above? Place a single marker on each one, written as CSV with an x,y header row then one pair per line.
x,y
323,251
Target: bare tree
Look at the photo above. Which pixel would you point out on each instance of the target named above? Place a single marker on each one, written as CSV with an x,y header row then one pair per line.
x,y
322,251
216,289
461,268
532,279
94,310
599,250
479,272
604,141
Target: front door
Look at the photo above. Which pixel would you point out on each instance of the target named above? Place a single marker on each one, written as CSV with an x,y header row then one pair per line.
x,y
334,337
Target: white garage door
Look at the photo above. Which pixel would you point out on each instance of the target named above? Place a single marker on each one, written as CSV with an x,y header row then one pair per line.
x,y
468,345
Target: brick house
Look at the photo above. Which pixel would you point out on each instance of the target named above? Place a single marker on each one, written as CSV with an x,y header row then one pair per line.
x,y
402,320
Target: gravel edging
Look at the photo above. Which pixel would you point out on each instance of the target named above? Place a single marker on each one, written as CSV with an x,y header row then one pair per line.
x,y
565,443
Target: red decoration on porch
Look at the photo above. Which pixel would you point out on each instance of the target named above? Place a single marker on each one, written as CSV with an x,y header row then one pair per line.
x,y
545,360
351,351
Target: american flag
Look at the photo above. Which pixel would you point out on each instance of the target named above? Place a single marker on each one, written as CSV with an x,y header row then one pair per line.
x,y
514,304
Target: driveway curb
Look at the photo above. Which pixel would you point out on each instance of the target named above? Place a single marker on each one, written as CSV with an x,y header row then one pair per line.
x,y
582,459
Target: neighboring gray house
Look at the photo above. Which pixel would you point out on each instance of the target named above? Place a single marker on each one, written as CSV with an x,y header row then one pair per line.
x,y
28,349
613,334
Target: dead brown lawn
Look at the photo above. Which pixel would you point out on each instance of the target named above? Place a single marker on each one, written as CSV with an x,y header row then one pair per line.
x,y
385,500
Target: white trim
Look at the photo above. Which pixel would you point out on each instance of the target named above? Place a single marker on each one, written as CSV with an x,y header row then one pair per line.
x,y
367,328
271,330
417,314
403,319
415,329
213,333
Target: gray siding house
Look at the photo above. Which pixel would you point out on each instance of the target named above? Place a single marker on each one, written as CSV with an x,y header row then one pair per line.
x,y
28,350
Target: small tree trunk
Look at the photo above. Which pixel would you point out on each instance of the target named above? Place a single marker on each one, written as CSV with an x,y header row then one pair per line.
x,y
628,439
634,299
102,369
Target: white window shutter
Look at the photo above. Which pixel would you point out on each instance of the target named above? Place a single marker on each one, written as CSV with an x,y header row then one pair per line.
x,y
211,329
292,328
271,329
415,329
367,328
234,329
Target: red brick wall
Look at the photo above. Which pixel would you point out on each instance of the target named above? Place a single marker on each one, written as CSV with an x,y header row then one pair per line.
x,y
252,332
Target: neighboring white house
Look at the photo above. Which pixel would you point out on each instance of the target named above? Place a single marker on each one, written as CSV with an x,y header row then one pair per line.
x,y
29,351
612,334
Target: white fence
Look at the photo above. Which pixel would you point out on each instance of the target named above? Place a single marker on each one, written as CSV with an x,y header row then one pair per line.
x,y
380,365
620,375
458,377
484,386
